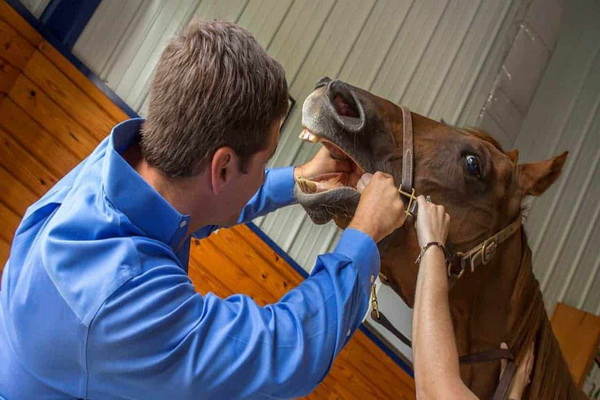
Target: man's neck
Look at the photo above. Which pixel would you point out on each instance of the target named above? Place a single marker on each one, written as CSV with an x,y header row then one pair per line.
x,y
179,193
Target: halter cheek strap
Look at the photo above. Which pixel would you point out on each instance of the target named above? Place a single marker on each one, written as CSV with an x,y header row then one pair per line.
x,y
406,187
407,148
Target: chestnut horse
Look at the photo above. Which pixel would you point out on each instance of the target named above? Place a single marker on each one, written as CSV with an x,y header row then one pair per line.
x,y
482,188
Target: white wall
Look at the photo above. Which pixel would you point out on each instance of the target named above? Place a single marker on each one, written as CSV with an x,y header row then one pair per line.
x,y
564,224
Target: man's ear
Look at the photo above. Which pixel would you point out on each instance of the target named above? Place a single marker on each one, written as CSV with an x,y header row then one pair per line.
x,y
535,178
223,168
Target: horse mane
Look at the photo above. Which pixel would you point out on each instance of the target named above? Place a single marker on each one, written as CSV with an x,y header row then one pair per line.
x,y
528,322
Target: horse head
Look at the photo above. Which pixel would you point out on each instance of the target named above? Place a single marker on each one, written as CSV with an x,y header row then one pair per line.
x,y
481,186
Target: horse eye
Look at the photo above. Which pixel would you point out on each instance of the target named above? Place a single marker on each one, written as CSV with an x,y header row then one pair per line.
x,y
472,163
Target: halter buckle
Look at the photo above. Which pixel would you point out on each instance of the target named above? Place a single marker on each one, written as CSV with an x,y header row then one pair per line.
x,y
488,249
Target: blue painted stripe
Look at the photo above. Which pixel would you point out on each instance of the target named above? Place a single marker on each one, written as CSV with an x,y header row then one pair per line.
x,y
58,45
67,18
24,12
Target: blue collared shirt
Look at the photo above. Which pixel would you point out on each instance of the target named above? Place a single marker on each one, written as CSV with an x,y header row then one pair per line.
x,y
96,301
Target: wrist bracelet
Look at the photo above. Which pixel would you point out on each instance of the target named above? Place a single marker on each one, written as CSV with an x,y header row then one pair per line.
x,y
428,245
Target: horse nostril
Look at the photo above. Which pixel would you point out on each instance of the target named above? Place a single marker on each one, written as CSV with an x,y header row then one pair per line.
x,y
342,100
344,107
322,82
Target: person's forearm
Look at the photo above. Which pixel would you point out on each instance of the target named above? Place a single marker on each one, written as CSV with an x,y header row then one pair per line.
x,y
434,347
276,192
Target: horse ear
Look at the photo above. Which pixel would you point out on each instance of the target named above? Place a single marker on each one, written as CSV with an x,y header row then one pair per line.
x,y
513,155
535,178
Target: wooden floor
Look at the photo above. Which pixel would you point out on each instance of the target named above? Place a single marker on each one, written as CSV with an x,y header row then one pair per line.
x,y
52,116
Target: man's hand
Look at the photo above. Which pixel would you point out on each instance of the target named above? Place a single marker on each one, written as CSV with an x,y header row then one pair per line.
x,y
380,210
322,163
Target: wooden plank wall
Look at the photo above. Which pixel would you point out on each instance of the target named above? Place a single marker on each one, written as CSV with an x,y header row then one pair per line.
x,y
52,116
578,334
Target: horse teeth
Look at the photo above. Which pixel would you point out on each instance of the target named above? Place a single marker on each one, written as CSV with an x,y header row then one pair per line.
x,y
312,138
308,136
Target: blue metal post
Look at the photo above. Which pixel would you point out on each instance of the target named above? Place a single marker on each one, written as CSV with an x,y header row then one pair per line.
x,y
66,19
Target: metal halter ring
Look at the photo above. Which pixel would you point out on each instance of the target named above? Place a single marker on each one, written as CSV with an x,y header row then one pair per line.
x,y
374,302
411,199
457,276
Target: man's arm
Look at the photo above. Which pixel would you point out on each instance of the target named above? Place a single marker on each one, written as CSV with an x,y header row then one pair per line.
x,y
278,189
276,192
155,337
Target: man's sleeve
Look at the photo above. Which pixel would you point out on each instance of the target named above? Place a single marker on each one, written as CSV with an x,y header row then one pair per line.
x,y
276,192
157,338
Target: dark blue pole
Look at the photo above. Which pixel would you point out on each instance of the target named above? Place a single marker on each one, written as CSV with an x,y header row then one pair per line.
x,y
66,19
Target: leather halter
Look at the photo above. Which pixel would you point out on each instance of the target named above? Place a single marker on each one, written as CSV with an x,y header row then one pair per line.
x,y
406,187
458,262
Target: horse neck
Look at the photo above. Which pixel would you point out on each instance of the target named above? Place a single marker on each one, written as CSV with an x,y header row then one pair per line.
x,y
527,323
480,301
505,304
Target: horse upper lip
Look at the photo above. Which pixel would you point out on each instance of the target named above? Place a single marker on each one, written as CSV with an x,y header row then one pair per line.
x,y
309,136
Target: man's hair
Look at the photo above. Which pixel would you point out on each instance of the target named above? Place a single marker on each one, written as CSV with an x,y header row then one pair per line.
x,y
214,86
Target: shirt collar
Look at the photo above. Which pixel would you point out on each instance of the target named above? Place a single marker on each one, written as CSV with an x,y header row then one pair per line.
x,y
133,196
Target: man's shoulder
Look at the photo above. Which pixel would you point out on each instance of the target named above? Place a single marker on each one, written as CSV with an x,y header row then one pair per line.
x,y
87,272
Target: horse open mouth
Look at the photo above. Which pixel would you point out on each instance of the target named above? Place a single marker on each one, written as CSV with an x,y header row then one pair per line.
x,y
330,181
333,117
333,195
